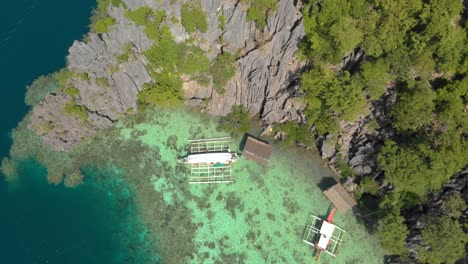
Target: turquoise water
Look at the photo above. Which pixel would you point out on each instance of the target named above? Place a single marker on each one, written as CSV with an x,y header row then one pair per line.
x,y
96,222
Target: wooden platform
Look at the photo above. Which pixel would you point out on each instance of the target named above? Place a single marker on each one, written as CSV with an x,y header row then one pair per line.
x,y
340,198
257,150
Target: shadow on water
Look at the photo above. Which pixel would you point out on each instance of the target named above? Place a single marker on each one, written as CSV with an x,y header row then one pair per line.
x,y
244,141
92,223
326,182
366,212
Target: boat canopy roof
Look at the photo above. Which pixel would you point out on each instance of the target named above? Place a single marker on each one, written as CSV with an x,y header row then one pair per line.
x,y
223,157
326,232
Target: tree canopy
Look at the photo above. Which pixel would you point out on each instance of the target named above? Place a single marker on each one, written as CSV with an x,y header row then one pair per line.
x,y
445,239
416,52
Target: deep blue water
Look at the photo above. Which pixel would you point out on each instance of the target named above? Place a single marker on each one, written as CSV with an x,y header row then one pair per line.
x,y
96,222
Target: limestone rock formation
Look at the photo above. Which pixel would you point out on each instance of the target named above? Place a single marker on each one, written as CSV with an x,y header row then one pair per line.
x,y
264,82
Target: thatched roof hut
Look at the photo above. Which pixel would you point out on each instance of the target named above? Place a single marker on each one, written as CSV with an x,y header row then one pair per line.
x,y
340,198
257,150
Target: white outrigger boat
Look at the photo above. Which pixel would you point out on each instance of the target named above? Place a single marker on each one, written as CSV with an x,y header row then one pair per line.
x,y
323,235
210,158
210,161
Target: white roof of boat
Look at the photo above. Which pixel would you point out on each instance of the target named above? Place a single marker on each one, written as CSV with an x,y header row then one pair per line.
x,y
223,157
326,232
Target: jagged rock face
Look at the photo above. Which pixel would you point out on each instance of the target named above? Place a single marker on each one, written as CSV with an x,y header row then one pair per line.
x,y
70,130
262,84
96,58
265,72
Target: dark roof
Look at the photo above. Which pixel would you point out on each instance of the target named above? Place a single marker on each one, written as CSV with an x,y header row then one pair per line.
x,y
339,197
257,150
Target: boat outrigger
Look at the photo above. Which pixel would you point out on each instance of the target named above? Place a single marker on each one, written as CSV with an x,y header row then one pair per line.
x,y
210,160
323,235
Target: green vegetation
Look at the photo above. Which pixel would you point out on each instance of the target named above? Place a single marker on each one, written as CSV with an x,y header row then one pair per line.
x,y
102,82
295,133
62,77
81,75
418,168
392,233
168,60
101,21
44,85
193,17
222,69
145,16
166,92
375,78
236,122
171,56
455,205
165,54
72,92
373,125
180,57
127,52
367,185
414,107
344,168
331,97
222,22
392,230
259,9
114,69
45,128
40,88
103,4
175,20
418,50
193,60
102,25
141,16
79,111
446,240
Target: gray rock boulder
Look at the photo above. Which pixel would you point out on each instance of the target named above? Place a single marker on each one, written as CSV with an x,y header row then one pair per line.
x,y
328,148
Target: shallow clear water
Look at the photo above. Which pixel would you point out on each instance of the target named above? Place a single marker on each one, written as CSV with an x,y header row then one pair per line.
x,y
258,219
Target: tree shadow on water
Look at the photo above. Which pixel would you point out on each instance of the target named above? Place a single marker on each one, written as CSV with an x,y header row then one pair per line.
x,y
326,182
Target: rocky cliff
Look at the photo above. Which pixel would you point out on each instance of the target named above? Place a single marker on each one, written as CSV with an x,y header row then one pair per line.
x,y
108,86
